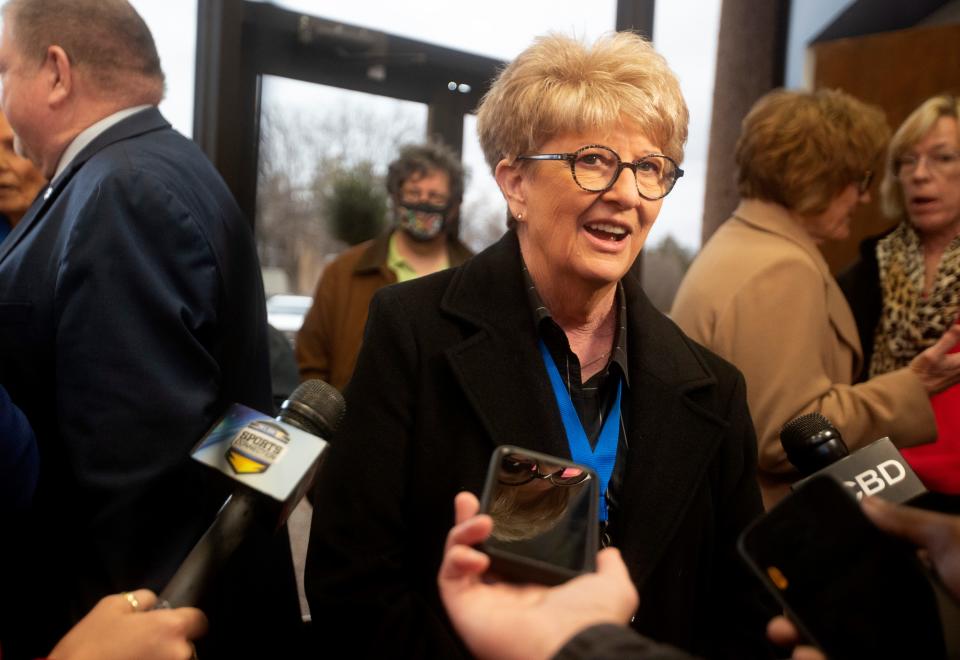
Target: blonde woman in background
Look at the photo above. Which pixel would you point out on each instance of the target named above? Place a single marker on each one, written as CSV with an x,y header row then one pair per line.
x,y
905,289
761,295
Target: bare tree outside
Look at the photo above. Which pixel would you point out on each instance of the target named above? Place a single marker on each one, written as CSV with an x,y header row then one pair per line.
x,y
320,158
664,266
302,155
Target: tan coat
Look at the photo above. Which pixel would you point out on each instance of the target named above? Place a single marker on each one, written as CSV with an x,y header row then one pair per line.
x,y
329,340
761,295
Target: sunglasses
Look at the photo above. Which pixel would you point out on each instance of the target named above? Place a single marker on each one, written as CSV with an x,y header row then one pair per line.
x,y
518,470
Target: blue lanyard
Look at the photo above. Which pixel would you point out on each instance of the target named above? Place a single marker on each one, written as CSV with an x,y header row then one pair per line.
x,y
600,459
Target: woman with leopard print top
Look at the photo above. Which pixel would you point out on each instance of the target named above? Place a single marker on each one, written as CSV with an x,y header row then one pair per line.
x,y
905,289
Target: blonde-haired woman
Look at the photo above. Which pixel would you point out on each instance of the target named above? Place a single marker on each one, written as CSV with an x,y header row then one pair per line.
x,y
546,342
761,295
905,289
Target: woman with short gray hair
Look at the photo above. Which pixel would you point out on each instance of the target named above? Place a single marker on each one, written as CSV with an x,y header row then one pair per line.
x,y
546,341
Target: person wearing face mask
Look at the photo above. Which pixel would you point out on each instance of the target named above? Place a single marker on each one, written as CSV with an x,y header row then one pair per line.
x,y
905,288
761,295
20,181
425,184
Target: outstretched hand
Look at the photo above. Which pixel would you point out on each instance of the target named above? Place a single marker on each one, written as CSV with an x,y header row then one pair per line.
x,y
938,368
503,620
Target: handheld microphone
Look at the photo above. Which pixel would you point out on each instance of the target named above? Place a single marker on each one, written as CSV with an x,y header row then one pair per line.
x,y
274,462
814,446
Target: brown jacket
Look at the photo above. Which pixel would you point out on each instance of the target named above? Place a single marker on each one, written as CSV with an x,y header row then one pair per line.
x,y
329,340
761,295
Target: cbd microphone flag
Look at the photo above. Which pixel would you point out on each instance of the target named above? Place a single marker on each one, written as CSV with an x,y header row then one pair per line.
x,y
815,447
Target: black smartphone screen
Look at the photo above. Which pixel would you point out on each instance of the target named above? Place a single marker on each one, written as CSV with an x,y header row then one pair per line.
x,y
852,590
544,512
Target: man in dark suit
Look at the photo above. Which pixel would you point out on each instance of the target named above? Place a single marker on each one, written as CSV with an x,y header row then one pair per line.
x,y
131,314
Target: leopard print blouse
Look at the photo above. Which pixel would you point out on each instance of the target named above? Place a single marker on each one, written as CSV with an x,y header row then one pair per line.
x,y
911,322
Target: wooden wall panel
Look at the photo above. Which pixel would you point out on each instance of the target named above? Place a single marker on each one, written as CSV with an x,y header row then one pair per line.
x,y
896,71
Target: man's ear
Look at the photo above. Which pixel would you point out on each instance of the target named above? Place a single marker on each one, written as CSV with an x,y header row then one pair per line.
x,y
510,178
60,75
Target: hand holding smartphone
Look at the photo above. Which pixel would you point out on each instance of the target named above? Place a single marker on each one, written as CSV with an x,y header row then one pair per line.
x,y
850,589
544,512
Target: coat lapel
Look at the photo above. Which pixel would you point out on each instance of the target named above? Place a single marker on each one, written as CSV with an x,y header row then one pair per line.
x,y
32,216
500,368
142,122
672,439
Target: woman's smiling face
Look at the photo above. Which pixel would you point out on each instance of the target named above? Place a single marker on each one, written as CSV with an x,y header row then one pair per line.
x,y
568,233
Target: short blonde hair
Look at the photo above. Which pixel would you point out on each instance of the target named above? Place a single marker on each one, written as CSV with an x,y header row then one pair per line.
x,y
913,129
801,149
560,85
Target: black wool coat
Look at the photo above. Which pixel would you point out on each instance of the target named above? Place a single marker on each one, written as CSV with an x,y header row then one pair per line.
x,y
449,370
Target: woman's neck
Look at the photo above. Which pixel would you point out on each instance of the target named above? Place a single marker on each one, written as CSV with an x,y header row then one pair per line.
x,y
585,312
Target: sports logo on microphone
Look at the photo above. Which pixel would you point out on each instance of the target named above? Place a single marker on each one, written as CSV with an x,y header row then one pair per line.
x,y
260,452
257,446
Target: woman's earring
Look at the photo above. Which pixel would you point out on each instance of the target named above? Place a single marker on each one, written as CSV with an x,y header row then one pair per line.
x,y
520,216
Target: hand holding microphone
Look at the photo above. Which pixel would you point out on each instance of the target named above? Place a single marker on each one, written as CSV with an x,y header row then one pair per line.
x,y
121,627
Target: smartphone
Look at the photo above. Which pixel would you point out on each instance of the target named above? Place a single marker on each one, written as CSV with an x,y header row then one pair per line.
x,y
544,512
850,589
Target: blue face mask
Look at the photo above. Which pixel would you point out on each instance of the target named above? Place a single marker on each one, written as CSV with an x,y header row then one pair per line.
x,y
421,222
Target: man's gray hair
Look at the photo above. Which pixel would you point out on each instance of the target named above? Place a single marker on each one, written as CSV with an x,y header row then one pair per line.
x,y
107,38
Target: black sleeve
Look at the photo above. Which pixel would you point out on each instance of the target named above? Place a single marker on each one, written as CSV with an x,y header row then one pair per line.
x,y
611,642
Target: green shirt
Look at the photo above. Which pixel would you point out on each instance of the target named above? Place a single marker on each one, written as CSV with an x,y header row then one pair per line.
x,y
398,264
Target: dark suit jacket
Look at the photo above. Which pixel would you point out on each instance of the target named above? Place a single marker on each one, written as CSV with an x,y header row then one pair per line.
x,y
131,314
18,457
449,370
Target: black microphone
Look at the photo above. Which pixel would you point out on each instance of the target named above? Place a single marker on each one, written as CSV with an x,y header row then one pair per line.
x,y
274,464
814,446
812,442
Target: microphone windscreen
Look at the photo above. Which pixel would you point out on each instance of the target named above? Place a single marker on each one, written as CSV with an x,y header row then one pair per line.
x,y
315,407
812,442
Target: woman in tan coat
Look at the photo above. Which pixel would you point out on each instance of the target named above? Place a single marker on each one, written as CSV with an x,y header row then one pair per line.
x,y
761,295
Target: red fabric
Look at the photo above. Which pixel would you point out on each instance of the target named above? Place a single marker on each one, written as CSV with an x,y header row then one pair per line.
x,y
938,463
